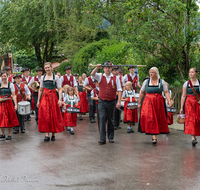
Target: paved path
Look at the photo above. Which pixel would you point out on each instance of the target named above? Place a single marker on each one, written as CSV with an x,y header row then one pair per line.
x,y
78,162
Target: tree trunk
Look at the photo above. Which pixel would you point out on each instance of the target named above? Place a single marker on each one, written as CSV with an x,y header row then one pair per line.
x,y
38,54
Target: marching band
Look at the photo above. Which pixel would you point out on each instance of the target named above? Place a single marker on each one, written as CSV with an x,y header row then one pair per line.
x,y
58,100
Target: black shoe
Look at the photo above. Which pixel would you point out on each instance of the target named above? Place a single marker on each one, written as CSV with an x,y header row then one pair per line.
x,y
8,138
46,139
80,118
101,142
118,127
130,130
194,142
2,137
15,132
53,138
120,120
72,132
111,141
93,121
154,141
24,120
23,131
115,128
32,112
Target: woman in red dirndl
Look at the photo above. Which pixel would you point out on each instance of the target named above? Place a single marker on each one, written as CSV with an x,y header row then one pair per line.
x,y
83,103
153,117
191,106
7,109
50,116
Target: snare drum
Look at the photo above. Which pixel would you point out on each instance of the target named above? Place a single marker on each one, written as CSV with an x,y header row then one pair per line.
x,y
73,110
132,105
172,110
24,108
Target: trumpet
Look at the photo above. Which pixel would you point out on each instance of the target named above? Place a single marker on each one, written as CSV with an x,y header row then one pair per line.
x,y
91,66
35,85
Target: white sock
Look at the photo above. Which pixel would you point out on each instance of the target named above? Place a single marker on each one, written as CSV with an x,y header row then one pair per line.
x,y
128,127
71,128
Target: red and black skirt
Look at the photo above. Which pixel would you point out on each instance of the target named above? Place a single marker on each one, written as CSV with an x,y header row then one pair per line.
x,y
69,119
192,116
170,120
130,115
153,115
83,103
7,114
50,116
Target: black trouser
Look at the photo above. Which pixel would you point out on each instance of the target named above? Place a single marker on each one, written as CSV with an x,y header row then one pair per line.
x,y
106,113
28,115
117,115
35,97
21,122
98,117
92,107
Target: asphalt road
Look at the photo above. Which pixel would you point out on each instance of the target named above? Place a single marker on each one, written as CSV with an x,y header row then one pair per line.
x,y
78,162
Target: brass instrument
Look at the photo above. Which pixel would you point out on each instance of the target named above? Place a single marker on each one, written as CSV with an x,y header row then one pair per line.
x,y
91,66
35,85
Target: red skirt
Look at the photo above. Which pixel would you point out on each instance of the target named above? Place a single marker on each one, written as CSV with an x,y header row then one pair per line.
x,y
50,116
130,115
153,118
69,119
33,104
83,104
192,116
170,118
8,114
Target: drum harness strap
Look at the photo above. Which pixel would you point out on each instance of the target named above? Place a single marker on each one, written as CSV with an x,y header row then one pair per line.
x,y
20,91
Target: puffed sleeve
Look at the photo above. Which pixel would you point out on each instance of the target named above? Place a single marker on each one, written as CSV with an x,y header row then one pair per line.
x,y
58,81
164,85
41,82
143,85
12,88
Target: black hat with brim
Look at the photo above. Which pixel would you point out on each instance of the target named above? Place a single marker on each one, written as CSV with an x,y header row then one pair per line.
x,y
121,70
116,67
6,68
132,66
39,69
95,80
75,74
17,76
26,69
107,64
68,68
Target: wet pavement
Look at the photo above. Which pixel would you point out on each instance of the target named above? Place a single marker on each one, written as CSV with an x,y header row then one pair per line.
x,y
78,162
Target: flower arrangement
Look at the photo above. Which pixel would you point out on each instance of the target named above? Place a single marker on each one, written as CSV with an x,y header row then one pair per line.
x,y
181,118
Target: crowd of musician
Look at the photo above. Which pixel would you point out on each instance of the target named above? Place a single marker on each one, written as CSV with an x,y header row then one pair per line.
x,y
58,101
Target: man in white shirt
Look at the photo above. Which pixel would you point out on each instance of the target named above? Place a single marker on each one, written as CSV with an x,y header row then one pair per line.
x,y
109,84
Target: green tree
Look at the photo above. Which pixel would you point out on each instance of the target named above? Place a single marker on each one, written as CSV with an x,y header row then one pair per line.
x,y
165,30
25,60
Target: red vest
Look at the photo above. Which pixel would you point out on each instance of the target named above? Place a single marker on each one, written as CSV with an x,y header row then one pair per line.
x,y
135,81
68,82
107,91
36,79
24,80
91,84
18,94
10,78
96,94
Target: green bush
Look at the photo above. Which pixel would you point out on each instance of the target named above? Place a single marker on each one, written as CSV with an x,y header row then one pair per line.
x,y
86,54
